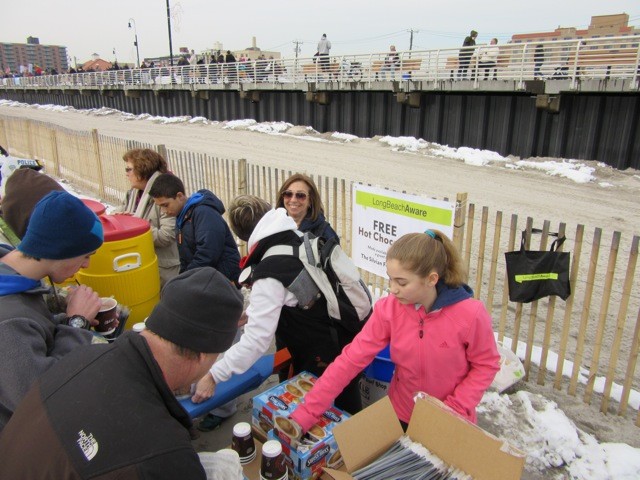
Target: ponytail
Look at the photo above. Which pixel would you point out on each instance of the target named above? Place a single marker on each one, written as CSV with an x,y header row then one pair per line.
x,y
423,253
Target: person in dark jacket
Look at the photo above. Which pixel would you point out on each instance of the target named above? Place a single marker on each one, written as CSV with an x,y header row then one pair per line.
x,y
61,236
203,236
230,71
464,57
109,412
301,198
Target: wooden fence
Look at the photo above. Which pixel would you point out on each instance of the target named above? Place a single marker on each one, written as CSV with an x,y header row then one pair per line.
x,y
587,346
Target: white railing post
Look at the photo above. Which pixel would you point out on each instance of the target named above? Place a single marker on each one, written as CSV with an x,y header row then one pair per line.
x,y
636,76
574,79
522,66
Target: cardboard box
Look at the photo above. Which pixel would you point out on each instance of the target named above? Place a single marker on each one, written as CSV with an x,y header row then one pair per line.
x,y
453,439
306,459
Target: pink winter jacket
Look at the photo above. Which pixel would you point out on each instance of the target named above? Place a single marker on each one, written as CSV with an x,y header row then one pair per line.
x,y
454,361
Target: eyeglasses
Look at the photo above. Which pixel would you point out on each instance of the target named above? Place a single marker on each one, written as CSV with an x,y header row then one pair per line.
x,y
298,195
128,169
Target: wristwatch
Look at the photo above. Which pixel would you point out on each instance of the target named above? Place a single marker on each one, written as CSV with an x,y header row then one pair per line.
x,y
78,321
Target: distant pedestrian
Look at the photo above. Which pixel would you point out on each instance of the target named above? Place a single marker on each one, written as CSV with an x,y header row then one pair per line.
x,y
230,70
464,58
324,46
488,59
391,63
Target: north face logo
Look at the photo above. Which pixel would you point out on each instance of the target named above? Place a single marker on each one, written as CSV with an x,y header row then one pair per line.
x,y
88,444
444,345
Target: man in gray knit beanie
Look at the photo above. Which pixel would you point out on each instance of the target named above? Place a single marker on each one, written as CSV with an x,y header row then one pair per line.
x,y
109,411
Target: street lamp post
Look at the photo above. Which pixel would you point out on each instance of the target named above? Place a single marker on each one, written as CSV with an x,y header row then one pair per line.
x,y
135,32
169,26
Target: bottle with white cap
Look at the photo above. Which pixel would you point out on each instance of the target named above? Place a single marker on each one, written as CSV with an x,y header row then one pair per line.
x,y
273,466
140,326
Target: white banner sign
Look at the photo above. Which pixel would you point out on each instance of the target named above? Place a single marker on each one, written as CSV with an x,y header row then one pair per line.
x,y
381,216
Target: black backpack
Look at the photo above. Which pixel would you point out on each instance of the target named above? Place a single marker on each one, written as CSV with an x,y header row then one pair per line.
x,y
329,272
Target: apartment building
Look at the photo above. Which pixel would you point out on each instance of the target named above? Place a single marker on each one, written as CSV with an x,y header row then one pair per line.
x,y
21,57
601,27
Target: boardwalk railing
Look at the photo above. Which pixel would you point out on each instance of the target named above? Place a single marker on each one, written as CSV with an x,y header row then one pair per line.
x,y
615,58
587,346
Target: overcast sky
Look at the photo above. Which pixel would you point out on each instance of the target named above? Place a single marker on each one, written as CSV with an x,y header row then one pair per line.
x,y
353,26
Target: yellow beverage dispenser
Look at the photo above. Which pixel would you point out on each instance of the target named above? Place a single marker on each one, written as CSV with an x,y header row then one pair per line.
x,y
125,266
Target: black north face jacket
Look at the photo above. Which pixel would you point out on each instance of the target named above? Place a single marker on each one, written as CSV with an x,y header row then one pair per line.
x,y
103,411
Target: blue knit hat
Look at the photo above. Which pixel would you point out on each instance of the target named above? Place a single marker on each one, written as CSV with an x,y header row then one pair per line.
x,y
61,227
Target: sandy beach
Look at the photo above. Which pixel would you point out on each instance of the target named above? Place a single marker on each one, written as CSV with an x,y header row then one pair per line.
x,y
609,202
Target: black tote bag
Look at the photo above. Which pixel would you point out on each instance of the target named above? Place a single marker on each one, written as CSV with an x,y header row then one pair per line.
x,y
536,274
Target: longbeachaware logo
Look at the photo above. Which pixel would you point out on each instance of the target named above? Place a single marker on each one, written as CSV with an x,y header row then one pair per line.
x,y
88,444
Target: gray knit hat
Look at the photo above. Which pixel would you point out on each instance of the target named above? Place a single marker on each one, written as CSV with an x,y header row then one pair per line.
x,y
199,310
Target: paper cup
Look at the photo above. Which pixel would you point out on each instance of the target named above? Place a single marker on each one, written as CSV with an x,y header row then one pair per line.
x,y
107,316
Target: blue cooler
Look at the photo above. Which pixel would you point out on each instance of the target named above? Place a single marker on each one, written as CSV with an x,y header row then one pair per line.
x,y
382,367
377,376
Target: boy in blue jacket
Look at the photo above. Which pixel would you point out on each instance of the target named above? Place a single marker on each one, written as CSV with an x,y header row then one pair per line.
x,y
204,238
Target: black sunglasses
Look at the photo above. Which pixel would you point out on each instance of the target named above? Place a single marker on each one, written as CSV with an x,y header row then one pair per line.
x,y
289,194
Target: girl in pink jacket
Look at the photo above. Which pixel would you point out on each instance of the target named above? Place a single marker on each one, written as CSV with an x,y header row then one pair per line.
x,y
441,339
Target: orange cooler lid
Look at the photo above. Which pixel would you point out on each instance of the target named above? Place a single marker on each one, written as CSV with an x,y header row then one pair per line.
x,y
95,206
122,227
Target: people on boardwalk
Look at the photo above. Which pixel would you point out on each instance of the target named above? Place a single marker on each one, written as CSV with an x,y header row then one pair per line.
x,y
488,59
61,236
203,236
214,68
300,197
311,339
538,60
441,338
193,57
109,412
464,57
142,167
391,63
324,47
243,69
230,67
